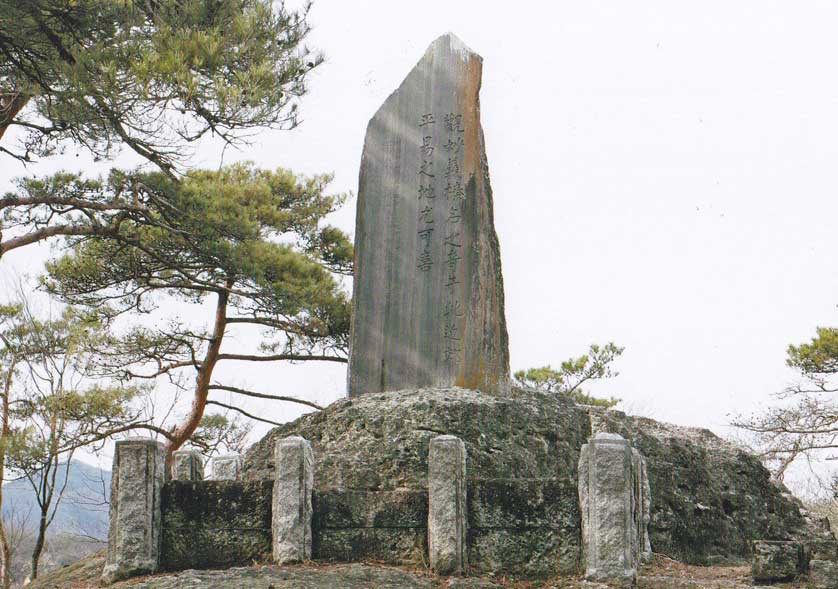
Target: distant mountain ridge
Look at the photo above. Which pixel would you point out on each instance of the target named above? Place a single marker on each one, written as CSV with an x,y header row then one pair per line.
x,y
84,508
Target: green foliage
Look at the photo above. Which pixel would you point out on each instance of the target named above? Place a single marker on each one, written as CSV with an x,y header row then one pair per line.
x,y
572,373
58,407
806,421
220,433
51,406
818,357
155,75
252,241
251,231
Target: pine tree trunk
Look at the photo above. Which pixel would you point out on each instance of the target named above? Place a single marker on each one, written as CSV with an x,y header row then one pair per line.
x,y
184,431
10,106
39,544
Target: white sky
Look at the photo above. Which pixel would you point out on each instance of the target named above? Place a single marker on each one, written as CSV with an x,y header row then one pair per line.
x,y
663,173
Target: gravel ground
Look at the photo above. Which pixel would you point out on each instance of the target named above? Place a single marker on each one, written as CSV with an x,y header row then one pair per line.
x,y
664,574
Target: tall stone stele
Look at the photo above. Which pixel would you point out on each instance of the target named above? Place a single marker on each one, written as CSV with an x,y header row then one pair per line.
x,y
428,306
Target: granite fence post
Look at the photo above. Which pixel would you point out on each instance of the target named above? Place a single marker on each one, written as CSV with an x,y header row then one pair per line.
x,y
292,509
187,465
608,503
227,467
447,523
135,515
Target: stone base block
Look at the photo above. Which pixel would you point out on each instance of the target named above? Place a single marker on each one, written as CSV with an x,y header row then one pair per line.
x,y
775,562
823,574
822,549
215,524
397,546
534,553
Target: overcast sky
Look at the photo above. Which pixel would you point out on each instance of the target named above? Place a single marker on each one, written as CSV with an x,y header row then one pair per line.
x,y
664,178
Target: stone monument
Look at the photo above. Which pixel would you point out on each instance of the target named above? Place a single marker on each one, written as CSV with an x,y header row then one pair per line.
x,y
428,307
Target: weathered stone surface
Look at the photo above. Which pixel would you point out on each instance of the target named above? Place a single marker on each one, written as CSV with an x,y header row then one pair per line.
x,y
823,574
398,546
642,497
821,549
292,507
710,498
465,583
212,524
773,562
606,490
447,523
339,509
527,527
383,526
428,290
227,467
665,575
187,465
348,576
380,442
134,533
531,553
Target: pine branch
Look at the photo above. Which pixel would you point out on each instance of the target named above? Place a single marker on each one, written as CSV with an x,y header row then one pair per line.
x,y
218,387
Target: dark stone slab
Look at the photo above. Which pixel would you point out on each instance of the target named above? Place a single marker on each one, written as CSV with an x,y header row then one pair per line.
x,y
338,509
823,574
529,553
428,291
523,504
387,545
210,524
774,562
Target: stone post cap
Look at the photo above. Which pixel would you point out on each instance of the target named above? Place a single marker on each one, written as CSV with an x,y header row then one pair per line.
x,y
445,439
608,438
190,452
226,457
227,467
292,441
139,442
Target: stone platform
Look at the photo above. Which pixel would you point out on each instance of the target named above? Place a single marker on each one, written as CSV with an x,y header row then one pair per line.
x,y
710,499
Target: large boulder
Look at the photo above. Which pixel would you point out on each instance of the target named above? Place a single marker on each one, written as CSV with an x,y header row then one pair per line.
x,y
709,498
380,441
